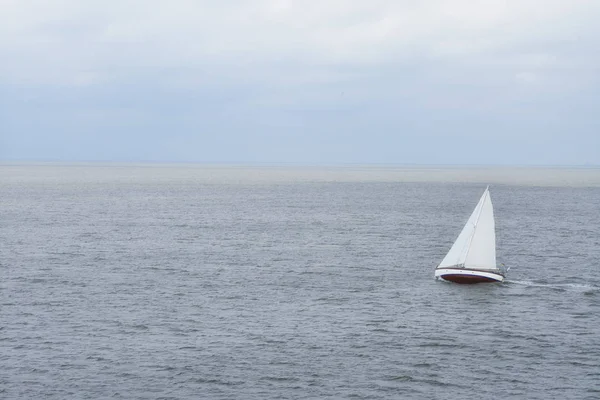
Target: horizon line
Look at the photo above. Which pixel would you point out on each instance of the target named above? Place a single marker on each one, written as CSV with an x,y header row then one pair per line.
x,y
284,163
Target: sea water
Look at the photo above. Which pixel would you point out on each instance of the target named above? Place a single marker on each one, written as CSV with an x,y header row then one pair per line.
x,y
275,282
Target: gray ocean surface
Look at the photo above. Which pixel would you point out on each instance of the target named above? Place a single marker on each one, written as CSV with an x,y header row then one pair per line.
x,y
286,282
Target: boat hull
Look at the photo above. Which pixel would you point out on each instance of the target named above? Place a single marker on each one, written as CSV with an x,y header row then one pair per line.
x,y
465,275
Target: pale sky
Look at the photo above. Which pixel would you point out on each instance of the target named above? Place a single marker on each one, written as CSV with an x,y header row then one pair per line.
x,y
312,82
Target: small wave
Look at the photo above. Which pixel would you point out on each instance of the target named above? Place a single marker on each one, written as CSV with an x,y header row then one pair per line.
x,y
402,378
428,381
95,358
216,381
279,378
380,330
439,344
423,365
559,286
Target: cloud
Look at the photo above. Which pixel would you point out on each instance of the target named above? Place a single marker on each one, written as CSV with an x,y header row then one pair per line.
x,y
94,41
378,80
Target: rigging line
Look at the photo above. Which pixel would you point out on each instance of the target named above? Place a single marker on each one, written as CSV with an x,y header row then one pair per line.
x,y
483,199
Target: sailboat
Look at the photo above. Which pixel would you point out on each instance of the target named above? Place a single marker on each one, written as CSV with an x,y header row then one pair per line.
x,y
472,257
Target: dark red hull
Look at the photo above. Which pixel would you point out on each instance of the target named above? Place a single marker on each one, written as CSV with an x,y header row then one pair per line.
x,y
458,278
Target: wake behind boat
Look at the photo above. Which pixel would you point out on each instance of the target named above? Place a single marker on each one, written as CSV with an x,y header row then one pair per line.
x,y
472,257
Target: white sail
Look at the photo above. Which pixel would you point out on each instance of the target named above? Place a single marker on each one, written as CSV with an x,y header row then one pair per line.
x,y
475,246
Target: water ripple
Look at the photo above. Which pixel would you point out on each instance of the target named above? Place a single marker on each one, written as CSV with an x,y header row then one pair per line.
x,y
311,290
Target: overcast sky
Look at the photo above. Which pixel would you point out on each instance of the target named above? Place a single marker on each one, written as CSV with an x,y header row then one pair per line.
x,y
323,81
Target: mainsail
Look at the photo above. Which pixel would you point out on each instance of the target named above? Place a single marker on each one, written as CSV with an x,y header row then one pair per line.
x,y
475,246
